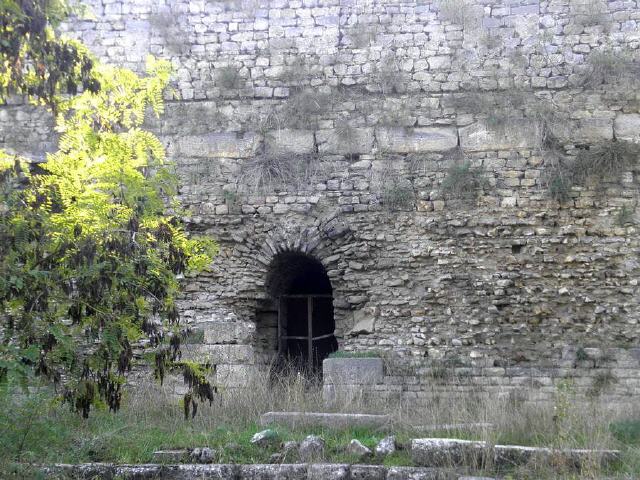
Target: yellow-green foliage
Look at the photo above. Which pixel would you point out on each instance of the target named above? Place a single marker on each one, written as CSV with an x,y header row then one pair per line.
x,y
88,253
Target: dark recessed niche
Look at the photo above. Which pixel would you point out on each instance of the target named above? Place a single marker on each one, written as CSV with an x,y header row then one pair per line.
x,y
516,249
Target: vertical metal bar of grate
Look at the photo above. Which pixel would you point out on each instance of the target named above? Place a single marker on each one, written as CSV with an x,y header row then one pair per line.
x,y
279,325
310,330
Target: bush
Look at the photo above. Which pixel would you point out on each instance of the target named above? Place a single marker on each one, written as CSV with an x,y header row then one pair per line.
x,y
269,172
611,67
388,77
463,182
605,160
397,193
303,110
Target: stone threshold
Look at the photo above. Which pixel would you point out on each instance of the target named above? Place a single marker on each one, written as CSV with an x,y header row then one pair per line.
x,y
326,420
300,471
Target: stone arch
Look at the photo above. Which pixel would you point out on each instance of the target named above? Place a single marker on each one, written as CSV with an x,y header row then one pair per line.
x,y
288,252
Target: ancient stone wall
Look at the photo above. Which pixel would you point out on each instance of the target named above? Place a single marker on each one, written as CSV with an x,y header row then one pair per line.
x,y
413,148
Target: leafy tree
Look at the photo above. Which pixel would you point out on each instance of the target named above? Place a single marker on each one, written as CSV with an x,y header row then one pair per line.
x,y
91,243
34,61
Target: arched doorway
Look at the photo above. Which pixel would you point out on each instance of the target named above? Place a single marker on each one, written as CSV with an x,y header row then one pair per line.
x,y
303,295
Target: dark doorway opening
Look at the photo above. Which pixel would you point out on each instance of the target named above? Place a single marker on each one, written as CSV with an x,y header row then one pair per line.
x,y
304,298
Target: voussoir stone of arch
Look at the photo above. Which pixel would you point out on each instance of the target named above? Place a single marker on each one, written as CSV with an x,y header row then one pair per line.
x,y
627,127
478,137
418,140
290,141
219,145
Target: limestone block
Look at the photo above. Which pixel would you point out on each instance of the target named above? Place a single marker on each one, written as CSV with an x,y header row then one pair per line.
x,y
364,322
228,332
626,126
320,471
290,141
368,472
231,376
437,452
215,145
262,472
591,130
423,139
478,137
357,371
216,354
324,420
417,473
353,140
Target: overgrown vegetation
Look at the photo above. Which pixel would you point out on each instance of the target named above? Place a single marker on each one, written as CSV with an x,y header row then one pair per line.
x,y
388,75
463,182
166,24
303,109
397,192
269,172
460,12
36,62
91,242
151,421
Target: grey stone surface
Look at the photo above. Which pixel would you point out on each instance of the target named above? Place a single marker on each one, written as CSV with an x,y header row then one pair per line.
x,y
202,455
327,420
479,137
626,126
311,449
353,370
328,472
445,452
345,141
272,472
386,446
290,141
478,283
212,145
368,472
417,140
265,438
413,473
356,447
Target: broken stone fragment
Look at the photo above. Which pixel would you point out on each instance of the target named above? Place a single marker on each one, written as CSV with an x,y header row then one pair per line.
x,y
386,446
265,438
311,449
356,448
202,455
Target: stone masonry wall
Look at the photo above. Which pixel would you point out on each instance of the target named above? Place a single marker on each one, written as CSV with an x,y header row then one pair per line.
x,y
330,127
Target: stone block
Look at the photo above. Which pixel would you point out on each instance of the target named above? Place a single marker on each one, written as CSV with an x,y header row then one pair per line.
x,y
626,126
216,145
271,472
591,130
344,142
440,452
368,472
325,420
321,471
235,376
290,141
478,137
228,332
416,473
422,139
359,371
217,354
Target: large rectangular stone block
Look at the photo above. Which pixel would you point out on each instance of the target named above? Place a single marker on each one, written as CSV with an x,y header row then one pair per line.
x,y
627,127
347,371
345,142
234,376
478,137
216,145
217,354
326,420
228,332
424,139
290,141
